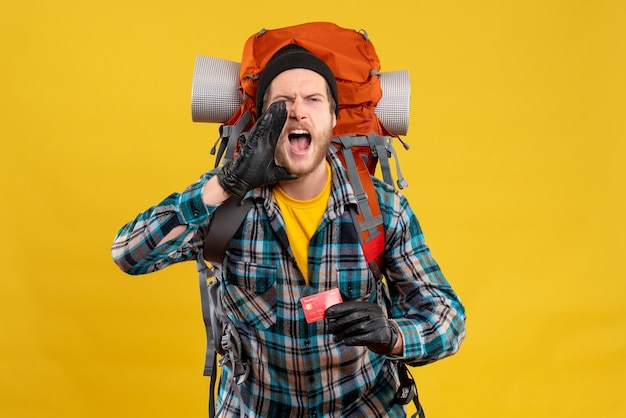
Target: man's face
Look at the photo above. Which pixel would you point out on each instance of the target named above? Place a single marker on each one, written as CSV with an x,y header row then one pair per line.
x,y
308,130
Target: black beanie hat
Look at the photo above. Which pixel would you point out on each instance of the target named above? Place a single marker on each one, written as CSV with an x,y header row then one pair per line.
x,y
289,57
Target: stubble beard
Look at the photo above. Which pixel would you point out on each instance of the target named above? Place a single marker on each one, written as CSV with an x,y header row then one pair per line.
x,y
319,143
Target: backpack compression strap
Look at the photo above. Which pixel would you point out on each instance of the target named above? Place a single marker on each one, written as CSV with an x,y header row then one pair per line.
x,y
210,370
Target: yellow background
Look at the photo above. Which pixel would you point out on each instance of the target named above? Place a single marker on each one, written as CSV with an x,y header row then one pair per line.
x,y
516,172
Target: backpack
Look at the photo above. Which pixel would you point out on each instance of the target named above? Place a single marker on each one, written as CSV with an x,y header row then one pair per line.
x,y
373,110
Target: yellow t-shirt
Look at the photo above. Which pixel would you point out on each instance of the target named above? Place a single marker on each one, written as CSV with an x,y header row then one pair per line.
x,y
302,217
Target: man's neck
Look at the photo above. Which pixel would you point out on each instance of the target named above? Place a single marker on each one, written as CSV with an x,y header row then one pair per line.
x,y
309,186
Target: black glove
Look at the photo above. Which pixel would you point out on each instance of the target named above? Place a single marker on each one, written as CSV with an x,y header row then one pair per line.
x,y
254,166
362,323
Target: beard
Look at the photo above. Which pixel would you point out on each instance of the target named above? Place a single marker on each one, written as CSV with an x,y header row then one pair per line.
x,y
301,166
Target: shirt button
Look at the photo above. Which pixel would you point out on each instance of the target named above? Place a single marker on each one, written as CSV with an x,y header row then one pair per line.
x,y
196,213
307,342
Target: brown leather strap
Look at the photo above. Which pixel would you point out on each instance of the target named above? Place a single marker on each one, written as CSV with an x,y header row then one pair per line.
x,y
226,220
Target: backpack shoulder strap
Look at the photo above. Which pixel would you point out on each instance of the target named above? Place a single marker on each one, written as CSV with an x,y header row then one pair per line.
x,y
408,389
220,335
225,222
369,220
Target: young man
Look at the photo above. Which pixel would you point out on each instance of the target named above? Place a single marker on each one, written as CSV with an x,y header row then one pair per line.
x,y
298,240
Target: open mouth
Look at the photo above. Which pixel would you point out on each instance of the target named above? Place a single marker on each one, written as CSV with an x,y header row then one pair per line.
x,y
300,140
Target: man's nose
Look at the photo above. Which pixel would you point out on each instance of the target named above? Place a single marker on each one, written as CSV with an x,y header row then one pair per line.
x,y
295,108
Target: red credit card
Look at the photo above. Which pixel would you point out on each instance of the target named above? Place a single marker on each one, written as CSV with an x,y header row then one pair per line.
x,y
315,305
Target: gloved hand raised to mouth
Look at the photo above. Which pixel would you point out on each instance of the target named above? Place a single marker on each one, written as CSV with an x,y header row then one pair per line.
x,y
362,323
255,166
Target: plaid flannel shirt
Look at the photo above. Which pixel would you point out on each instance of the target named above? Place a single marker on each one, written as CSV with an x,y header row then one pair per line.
x,y
297,370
